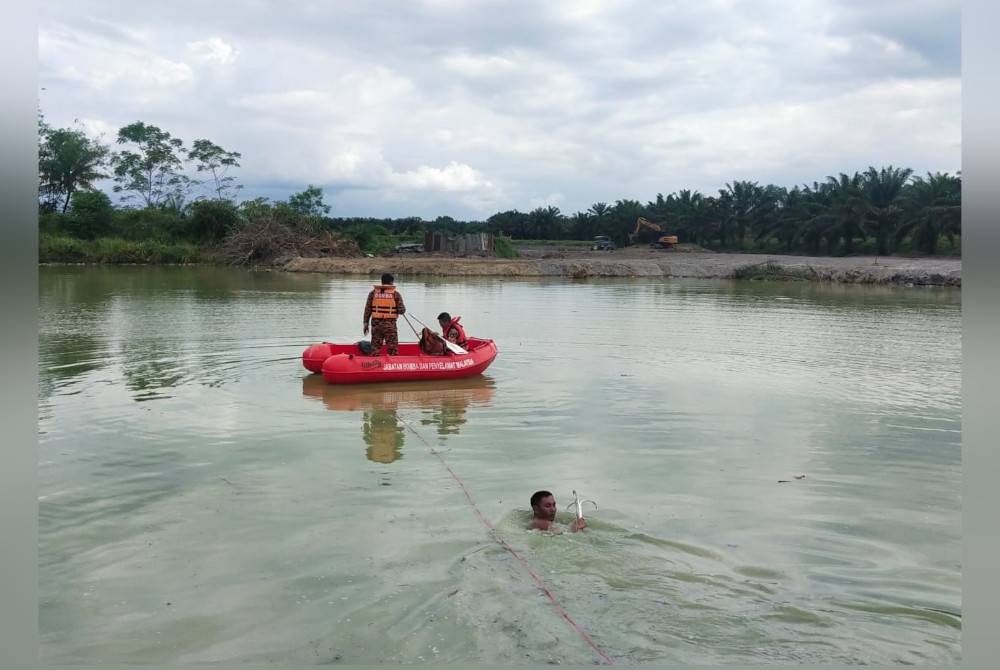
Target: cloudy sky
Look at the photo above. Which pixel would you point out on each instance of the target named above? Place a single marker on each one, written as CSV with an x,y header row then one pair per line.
x,y
469,107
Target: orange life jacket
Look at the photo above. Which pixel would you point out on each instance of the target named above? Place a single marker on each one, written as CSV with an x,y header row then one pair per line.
x,y
384,302
462,339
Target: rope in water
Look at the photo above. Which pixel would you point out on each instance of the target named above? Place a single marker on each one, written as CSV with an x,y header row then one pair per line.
x,y
503,543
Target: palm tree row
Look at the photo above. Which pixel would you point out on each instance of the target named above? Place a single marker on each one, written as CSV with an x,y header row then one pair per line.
x,y
886,206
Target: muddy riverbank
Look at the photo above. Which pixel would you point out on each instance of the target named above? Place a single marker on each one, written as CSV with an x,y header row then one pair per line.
x,y
557,262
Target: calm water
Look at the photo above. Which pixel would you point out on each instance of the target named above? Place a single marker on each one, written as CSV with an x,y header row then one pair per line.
x,y
202,498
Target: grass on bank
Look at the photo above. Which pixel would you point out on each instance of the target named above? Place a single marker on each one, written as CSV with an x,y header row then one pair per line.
x,y
552,243
772,270
504,247
115,250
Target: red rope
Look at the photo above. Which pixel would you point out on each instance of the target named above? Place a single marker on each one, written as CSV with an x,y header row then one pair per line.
x,y
503,543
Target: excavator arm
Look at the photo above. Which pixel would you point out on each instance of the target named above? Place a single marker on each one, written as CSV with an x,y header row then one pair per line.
x,y
645,223
664,241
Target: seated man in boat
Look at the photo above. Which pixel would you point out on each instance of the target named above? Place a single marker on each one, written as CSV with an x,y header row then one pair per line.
x,y
543,506
451,329
431,343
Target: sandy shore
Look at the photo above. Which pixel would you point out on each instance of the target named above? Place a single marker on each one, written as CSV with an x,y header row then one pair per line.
x,y
645,262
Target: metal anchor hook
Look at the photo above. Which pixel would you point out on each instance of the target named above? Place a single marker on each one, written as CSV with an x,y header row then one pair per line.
x,y
579,504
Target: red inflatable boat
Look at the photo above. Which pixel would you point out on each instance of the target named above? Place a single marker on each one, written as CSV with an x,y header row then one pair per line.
x,y
346,364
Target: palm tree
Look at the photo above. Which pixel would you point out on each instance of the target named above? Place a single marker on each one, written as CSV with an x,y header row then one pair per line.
x,y
847,208
621,219
786,212
744,199
547,223
688,213
933,208
68,161
725,216
881,191
599,209
819,222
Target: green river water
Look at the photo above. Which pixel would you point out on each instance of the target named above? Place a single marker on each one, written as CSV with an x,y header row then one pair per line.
x,y
203,498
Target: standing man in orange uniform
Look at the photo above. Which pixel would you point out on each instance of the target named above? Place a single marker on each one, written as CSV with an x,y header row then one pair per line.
x,y
383,307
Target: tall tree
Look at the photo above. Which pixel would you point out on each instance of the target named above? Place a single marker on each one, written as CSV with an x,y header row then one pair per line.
x,y
741,202
150,169
847,208
547,223
511,223
309,202
779,216
882,191
933,208
620,220
210,157
68,161
599,209
688,214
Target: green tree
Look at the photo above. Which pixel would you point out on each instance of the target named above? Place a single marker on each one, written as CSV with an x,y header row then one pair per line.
x,y
211,219
68,161
723,222
847,208
620,220
150,169
511,223
790,213
90,214
882,191
743,199
933,208
820,222
211,158
547,223
309,202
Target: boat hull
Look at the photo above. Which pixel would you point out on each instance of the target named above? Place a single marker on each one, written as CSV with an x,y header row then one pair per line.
x,y
346,364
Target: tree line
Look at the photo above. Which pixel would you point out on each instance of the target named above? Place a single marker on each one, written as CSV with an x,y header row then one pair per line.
x,y
170,191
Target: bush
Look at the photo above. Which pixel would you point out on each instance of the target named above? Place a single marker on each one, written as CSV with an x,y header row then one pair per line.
x,y
53,248
90,215
148,224
53,223
504,248
772,270
372,239
210,220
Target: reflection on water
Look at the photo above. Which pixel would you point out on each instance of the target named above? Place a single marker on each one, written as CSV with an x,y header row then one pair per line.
x,y
444,402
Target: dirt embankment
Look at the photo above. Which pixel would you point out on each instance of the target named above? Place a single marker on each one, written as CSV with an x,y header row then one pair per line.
x,y
633,262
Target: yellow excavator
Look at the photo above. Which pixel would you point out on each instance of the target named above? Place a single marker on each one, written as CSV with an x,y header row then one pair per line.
x,y
663,241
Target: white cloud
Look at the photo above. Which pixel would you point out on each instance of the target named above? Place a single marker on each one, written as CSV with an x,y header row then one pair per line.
x,y
99,129
294,102
473,65
161,72
453,178
378,87
215,50
99,64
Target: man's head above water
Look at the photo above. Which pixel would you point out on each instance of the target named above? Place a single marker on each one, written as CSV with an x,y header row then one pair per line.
x,y
543,505
543,509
